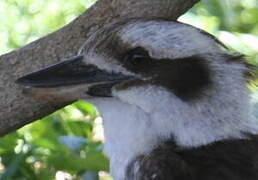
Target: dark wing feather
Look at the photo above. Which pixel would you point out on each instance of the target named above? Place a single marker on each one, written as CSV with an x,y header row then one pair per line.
x,y
224,160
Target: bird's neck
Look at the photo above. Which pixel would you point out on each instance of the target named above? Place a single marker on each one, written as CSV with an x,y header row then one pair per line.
x,y
127,133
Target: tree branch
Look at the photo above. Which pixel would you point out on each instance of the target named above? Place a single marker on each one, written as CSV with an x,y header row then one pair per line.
x,y
16,109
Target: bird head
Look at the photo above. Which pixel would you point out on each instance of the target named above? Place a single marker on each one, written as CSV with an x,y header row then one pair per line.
x,y
129,55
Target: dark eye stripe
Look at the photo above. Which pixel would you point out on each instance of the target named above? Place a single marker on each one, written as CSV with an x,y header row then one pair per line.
x,y
186,77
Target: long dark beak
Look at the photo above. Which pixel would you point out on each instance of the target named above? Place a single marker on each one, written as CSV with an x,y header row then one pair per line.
x,y
74,71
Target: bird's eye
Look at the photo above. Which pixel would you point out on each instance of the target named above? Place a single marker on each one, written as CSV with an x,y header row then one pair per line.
x,y
138,59
137,56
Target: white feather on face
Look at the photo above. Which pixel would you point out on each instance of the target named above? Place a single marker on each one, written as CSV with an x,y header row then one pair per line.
x,y
167,39
137,118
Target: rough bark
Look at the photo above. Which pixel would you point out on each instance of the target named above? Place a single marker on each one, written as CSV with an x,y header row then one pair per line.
x,y
16,109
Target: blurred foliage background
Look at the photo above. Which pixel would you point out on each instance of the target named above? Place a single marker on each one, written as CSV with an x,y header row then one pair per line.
x,y
68,144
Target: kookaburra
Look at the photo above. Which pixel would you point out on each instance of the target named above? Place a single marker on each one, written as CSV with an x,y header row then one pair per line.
x,y
174,103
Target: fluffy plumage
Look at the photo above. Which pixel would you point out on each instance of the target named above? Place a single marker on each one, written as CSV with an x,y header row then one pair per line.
x,y
202,100
179,109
